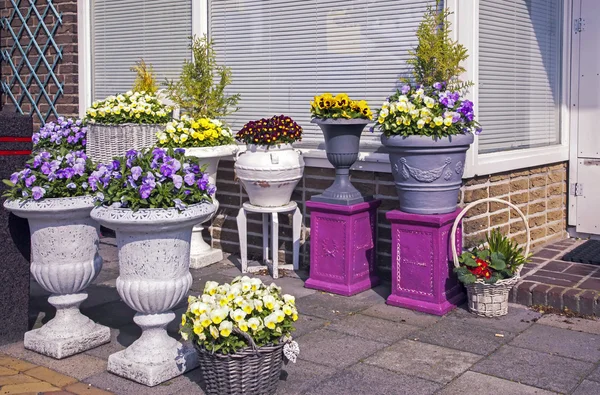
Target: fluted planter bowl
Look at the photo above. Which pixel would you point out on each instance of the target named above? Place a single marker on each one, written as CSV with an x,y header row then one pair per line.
x,y
64,261
428,172
269,174
342,143
154,277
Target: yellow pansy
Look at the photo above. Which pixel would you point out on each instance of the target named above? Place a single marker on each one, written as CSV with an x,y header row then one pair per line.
x,y
205,320
214,332
420,123
225,328
243,325
183,320
254,323
438,121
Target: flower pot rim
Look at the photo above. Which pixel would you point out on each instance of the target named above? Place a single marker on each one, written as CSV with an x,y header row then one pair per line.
x,y
263,148
162,217
428,141
211,152
50,205
340,121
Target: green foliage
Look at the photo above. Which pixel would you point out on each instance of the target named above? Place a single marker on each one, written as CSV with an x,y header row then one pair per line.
x,y
437,58
200,90
499,260
145,81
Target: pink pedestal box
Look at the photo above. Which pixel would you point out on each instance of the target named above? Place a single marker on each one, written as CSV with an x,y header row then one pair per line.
x,y
342,247
422,276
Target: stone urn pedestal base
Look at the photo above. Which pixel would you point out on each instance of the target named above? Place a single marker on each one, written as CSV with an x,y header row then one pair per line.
x,y
56,341
422,276
155,357
343,247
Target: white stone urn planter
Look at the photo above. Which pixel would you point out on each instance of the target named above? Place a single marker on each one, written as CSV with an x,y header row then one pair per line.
x,y
269,174
202,254
64,261
154,276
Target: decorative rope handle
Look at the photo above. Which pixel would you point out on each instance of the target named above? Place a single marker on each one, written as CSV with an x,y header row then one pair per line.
x,y
475,203
238,153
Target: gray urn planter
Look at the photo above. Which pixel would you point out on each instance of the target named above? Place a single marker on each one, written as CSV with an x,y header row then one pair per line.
x,y
104,142
64,261
154,277
342,143
428,172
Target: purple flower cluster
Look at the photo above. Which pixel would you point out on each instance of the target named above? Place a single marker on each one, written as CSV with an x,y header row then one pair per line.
x,y
64,133
152,178
52,175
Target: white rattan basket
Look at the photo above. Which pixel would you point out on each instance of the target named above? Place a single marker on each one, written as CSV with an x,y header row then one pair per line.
x,y
489,300
104,142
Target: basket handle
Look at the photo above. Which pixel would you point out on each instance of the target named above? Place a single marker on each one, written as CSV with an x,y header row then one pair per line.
x,y
248,338
475,203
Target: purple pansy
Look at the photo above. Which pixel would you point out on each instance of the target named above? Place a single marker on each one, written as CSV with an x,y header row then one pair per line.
x,y
179,205
405,89
136,172
190,179
177,181
38,192
30,180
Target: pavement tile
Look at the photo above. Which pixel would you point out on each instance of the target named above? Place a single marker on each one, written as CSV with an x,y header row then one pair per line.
x,y
463,336
591,283
595,375
306,324
7,372
186,384
120,338
575,324
28,388
588,388
334,348
398,314
365,379
518,318
535,368
79,366
557,266
100,294
372,328
331,307
106,274
12,363
563,342
50,376
547,254
424,360
297,378
17,379
113,314
199,281
85,389
482,384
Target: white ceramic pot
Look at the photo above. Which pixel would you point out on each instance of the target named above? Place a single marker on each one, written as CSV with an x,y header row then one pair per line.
x,y
202,254
269,174
64,261
154,276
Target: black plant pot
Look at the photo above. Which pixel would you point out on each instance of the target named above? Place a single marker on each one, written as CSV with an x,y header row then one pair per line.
x,y
342,142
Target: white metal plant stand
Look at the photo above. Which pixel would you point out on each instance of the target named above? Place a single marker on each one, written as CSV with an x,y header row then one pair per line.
x,y
269,214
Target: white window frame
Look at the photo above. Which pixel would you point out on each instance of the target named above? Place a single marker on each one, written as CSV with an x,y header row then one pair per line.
x,y
466,28
465,22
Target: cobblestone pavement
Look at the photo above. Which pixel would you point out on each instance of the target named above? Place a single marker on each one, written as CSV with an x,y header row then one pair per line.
x,y
355,345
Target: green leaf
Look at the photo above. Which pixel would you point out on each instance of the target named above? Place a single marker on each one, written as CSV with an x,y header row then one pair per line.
x,y
483,254
467,278
470,262
8,183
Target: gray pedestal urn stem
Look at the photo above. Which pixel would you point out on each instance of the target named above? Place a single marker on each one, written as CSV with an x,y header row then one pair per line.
x,y
203,254
154,277
428,172
64,261
342,143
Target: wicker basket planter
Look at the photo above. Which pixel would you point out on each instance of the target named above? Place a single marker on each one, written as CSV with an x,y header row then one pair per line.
x,y
489,300
104,142
254,370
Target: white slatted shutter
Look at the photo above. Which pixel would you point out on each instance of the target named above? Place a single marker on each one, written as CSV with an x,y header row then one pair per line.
x,y
519,73
123,31
283,52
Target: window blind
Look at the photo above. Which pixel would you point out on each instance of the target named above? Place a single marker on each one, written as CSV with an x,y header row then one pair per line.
x,y
123,31
284,52
519,73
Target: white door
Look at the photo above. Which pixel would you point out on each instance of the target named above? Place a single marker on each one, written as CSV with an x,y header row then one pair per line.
x,y
586,67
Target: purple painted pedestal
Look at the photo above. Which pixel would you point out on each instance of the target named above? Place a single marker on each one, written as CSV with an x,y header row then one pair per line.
x,y
422,277
342,247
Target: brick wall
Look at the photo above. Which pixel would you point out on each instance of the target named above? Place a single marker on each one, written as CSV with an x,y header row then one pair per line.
x,y
67,68
539,192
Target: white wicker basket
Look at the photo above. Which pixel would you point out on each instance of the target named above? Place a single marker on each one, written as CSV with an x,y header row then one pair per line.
x,y
104,142
489,300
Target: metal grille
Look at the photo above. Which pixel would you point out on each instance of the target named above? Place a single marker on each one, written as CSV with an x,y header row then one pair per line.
x,y
32,57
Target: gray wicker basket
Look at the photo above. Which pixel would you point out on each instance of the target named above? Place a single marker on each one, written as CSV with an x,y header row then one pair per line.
x,y
254,370
489,300
104,142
